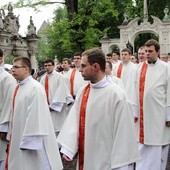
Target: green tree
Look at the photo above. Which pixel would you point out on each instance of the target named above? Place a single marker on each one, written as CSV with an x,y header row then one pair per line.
x,y
80,24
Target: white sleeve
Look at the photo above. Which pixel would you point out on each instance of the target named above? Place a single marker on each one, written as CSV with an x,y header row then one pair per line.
x,y
57,106
69,99
168,113
67,152
135,110
32,142
4,127
123,168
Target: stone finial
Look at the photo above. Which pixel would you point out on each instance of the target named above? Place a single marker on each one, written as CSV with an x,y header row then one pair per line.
x,y
105,37
126,18
145,13
10,8
166,16
31,29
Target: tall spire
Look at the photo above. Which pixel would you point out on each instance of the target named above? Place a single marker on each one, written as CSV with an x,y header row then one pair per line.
x,y
145,17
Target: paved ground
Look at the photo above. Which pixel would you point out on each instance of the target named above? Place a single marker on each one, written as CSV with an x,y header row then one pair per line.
x,y
72,165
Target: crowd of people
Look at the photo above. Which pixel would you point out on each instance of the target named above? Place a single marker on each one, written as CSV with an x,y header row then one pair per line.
x,y
112,110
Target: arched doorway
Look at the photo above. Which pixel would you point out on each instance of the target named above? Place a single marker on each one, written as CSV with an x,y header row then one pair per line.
x,y
114,48
141,38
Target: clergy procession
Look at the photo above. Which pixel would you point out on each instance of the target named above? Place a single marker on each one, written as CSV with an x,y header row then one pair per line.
x,y
109,111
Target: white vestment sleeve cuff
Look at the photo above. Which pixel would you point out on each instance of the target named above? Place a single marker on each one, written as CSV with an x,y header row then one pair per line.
x,y
67,153
123,168
32,142
135,110
168,113
69,99
4,127
57,106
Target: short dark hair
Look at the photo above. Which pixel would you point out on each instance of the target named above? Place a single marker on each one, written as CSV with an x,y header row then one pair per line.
x,y
96,55
116,52
109,54
68,60
127,50
154,43
77,54
49,61
24,60
1,53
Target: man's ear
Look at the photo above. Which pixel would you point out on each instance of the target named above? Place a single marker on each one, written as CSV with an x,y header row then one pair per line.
x,y
96,67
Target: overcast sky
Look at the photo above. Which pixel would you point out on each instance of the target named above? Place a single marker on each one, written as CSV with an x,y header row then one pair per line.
x,y
38,17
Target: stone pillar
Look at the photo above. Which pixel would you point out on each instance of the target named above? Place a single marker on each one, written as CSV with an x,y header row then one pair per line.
x,y
32,49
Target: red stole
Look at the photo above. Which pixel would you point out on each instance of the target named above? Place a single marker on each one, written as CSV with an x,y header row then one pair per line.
x,y
72,81
82,126
8,147
119,71
141,95
47,88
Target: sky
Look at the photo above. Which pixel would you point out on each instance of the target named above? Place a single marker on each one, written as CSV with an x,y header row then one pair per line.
x,y
46,14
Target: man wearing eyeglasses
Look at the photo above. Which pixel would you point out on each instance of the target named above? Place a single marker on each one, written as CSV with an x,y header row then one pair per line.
x,y
31,134
74,78
7,86
99,126
152,109
58,95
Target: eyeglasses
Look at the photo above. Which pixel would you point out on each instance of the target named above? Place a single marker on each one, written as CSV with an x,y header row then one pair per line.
x,y
17,67
48,65
77,58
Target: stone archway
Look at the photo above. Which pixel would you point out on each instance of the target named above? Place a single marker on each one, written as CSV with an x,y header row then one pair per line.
x,y
129,31
141,38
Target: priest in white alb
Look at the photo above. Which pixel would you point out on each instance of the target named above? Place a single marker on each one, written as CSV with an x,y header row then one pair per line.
x,y
99,126
58,94
32,138
151,101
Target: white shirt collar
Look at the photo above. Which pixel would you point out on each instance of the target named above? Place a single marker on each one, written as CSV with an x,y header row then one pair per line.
x,y
26,80
51,73
102,83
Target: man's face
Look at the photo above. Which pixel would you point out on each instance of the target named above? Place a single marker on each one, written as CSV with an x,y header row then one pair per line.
x,y
86,69
49,67
151,53
133,59
141,55
19,71
164,58
109,58
125,56
77,61
108,70
115,57
65,65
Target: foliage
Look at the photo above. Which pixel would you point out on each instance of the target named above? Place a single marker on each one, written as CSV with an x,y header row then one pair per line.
x,y
80,24
8,59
